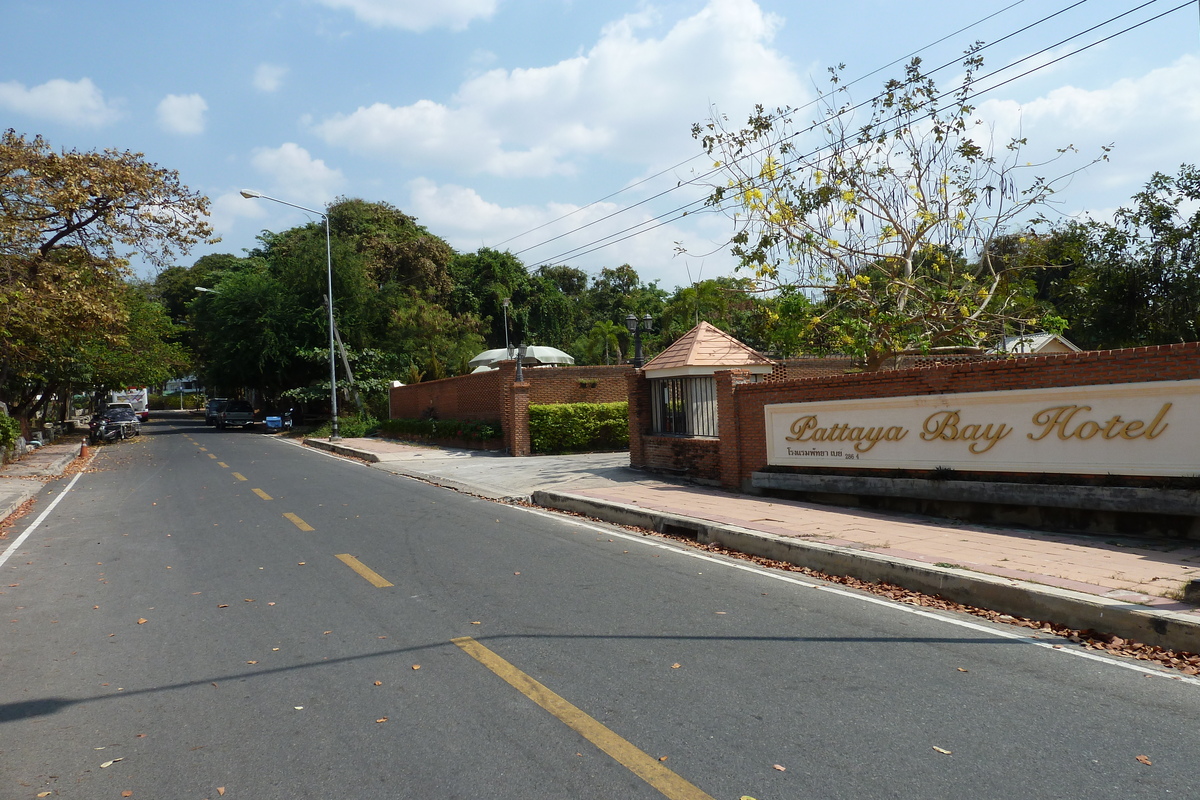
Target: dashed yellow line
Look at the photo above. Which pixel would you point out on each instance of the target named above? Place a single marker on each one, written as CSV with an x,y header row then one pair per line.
x,y
203,449
222,464
299,523
239,476
373,577
261,493
639,763
210,455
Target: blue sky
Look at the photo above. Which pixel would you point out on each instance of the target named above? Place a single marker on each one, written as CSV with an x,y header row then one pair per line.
x,y
486,119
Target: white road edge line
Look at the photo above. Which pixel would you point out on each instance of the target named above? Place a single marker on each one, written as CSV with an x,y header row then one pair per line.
x,y
12,548
926,613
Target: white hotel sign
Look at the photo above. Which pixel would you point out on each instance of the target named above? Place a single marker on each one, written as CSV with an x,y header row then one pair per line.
x,y
1126,429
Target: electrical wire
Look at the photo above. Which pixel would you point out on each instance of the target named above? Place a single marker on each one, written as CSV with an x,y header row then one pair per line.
x,y
680,212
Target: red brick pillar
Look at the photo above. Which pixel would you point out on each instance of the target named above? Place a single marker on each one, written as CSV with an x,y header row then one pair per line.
x,y
730,446
516,424
638,392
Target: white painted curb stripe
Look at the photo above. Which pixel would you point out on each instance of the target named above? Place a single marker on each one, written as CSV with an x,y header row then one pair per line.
x,y
12,548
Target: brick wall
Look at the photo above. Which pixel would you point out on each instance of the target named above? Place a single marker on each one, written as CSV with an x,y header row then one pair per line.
x,y
495,396
577,384
699,459
466,397
1093,367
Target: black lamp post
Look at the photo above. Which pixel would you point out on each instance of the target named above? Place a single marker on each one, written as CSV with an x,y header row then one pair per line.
x,y
637,327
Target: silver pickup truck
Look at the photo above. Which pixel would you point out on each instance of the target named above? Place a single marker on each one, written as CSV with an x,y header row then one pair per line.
x,y
236,412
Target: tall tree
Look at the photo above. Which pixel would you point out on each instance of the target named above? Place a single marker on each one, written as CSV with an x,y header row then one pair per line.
x,y
69,221
888,219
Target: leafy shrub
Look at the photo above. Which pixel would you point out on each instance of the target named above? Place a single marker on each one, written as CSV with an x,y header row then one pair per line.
x,y
10,429
578,427
425,429
351,426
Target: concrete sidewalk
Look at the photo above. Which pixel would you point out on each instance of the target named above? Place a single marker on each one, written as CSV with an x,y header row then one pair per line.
x,y
1124,586
22,479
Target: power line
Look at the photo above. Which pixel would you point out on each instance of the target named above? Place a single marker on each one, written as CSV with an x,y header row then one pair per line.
x,y
680,212
690,159
811,103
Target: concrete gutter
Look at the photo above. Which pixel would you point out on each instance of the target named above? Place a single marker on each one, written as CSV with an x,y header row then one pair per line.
x,y
1169,629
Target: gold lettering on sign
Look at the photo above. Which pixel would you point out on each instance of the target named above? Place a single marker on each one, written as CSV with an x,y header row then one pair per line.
x,y
1060,420
947,426
808,429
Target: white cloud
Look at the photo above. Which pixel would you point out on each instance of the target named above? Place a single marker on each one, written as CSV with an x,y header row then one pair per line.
x,y
296,176
1150,119
631,97
417,15
269,77
74,103
182,113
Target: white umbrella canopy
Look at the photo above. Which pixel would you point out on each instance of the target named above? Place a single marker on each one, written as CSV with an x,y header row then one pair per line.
x,y
534,354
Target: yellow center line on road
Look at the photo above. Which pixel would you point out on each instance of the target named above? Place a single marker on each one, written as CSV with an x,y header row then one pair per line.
x,y
210,455
239,476
639,763
373,577
260,493
203,449
299,523
222,464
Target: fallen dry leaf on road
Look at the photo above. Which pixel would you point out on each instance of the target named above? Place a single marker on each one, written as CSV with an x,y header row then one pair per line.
x,y
1145,760
127,793
221,791
416,666
476,623
941,750
676,666
381,719
143,736
780,767
271,604
960,669
379,683
45,794
251,662
108,764
223,605
664,758
142,620
326,633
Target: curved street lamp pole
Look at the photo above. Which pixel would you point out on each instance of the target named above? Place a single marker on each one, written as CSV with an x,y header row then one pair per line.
x,y
250,194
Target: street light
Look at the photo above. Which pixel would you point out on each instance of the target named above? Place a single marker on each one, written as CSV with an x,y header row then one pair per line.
x,y
637,327
250,194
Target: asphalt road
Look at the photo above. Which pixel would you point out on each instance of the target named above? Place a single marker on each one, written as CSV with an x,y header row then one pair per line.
x,y
226,614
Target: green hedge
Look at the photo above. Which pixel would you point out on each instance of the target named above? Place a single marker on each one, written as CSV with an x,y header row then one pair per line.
x,y
350,426
10,429
465,430
578,427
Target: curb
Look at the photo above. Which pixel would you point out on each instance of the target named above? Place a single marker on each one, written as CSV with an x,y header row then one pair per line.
x,y
25,490
1169,629
342,450
396,468
28,486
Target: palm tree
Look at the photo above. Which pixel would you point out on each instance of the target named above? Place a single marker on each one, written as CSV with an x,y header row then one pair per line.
x,y
606,334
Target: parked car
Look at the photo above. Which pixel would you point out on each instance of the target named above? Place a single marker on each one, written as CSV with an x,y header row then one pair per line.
x,y
214,409
115,423
236,412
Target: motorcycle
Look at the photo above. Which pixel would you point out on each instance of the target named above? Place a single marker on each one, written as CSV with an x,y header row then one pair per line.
x,y
114,424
